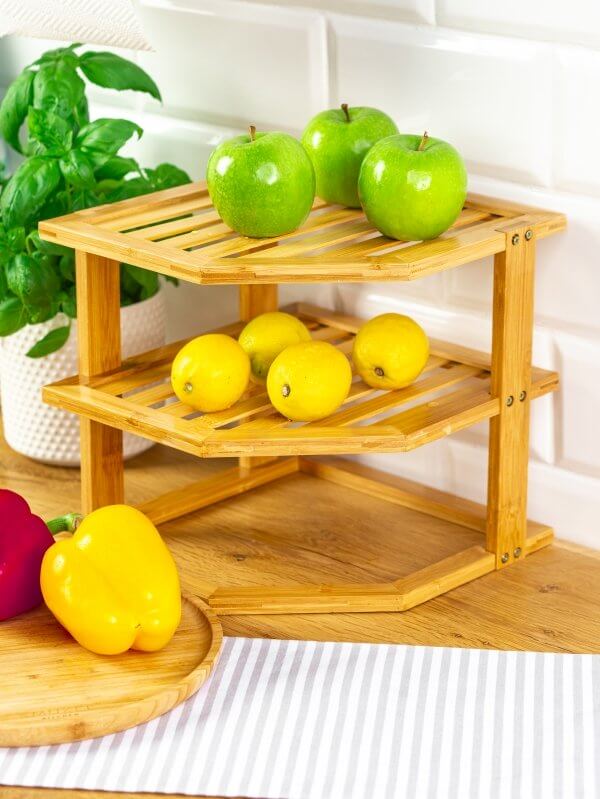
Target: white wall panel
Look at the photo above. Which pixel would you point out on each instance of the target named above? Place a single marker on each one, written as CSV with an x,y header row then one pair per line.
x,y
465,88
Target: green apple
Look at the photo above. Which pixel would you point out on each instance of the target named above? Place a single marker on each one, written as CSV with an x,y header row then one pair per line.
x,y
412,187
337,141
262,184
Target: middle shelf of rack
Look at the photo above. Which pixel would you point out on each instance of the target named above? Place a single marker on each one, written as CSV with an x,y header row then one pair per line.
x,y
452,393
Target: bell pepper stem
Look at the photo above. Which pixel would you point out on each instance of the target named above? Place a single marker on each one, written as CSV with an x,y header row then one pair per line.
x,y
65,524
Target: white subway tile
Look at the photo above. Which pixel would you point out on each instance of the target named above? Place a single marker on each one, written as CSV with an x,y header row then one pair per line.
x,y
577,118
236,63
466,88
567,501
567,268
406,10
579,401
577,21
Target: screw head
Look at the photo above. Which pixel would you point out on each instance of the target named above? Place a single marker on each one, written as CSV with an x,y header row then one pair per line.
x,y
522,396
286,390
505,557
188,388
510,400
528,235
517,552
516,238
379,371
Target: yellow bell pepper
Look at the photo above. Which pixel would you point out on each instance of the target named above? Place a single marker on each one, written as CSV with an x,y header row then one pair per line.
x,y
113,585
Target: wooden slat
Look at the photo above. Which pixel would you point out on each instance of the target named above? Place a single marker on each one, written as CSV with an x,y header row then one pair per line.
x,y
152,395
443,378
153,214
176,226
103,213
314,222
335,235
207,492
445,575
424,584
409,494
99,346
382,244
511,383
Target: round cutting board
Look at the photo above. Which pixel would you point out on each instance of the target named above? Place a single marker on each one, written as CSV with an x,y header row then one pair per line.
x,y
54,691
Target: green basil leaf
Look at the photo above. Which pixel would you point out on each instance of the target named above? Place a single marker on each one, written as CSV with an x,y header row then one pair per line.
x,y
51,342
15,239
27,191
116,168
51,131
50,56
14,107
114,72
82,112
77,170
12,316
66,267
57,87
68,303
58,204
165,176
130,188
106,135
146,279
3,284
33,281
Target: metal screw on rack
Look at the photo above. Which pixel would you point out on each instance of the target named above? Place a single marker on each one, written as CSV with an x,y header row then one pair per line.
x,y
522,396
505,557
517,552
516,238
510,400
528,235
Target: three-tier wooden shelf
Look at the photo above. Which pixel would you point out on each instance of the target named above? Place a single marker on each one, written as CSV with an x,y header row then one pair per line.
x,y
177,232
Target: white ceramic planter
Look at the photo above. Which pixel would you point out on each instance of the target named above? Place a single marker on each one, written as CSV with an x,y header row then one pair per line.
x,y
48,434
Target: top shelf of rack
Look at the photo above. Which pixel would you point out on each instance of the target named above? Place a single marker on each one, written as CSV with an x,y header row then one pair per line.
x,y
178,232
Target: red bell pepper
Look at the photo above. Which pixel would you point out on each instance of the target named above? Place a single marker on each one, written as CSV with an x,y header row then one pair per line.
x,y
24,538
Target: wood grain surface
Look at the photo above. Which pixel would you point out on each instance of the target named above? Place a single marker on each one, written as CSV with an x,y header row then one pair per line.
x,y
305,529
81,695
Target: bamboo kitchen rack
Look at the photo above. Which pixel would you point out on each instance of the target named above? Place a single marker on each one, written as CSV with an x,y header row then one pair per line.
x,y
177,232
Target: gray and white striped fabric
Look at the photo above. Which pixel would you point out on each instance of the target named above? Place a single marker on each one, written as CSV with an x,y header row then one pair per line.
x,y
306,720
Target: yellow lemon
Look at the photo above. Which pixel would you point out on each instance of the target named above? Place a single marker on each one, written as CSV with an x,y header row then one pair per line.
x,y
210,372
265,336
390,351
308,381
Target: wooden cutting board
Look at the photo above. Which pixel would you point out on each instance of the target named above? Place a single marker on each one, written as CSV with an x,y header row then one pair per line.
x,y
54,691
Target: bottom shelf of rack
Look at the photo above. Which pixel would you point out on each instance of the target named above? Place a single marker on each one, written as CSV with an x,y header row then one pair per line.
x,y
452,393
465,518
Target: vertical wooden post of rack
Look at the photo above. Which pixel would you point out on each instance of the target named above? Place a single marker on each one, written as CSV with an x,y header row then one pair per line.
x,y
99,334
512,335
255,300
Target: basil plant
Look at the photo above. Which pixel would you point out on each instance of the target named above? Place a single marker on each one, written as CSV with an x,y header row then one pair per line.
x,y
67,163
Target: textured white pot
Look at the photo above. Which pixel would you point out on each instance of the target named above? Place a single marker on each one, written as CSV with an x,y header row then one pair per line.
x,y
48,434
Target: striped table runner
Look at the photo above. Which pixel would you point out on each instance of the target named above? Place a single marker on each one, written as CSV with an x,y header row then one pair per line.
x,y
303,720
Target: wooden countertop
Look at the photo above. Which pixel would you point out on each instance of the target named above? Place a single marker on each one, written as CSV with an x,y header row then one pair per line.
x,y
304,529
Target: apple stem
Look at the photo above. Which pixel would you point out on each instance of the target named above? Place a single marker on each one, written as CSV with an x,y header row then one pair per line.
x,y
345,110
423,142
252,129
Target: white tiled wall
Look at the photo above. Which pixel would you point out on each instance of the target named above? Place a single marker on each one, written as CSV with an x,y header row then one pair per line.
x,y
513,85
